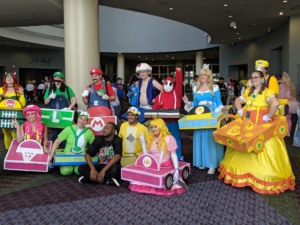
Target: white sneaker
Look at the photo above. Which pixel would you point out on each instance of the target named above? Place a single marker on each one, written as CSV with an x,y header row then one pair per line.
x,y
116,182
201,167
80,179
211,171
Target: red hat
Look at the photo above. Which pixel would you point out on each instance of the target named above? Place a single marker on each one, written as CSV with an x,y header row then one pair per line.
x,y
96,71
30,108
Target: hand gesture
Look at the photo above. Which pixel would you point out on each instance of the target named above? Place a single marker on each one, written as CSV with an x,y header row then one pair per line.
x,y
105,97
15,123
85,93
20,91
52,95
266,118
100,177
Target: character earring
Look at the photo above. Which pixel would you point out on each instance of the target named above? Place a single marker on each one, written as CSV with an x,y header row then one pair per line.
x,y
262,80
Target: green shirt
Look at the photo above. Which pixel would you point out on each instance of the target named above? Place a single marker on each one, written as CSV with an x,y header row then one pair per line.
x,y
58,92
68,135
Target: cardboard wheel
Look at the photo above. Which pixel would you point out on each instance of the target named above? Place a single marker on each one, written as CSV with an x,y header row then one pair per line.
x,y
258,145
185,173
169,181
281,129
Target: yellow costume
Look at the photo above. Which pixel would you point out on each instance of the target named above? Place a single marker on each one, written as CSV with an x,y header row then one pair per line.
x,y
267,172
9,134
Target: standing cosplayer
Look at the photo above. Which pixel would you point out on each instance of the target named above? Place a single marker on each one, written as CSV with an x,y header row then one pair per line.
x,y
206,152
268,171
170,98
59,96
148,86
98,93
11,90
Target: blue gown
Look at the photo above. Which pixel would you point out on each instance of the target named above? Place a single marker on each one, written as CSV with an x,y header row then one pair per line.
x,y
206,152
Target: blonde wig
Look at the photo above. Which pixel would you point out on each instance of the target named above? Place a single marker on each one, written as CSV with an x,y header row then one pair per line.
x,y
285,80
209,80
163,132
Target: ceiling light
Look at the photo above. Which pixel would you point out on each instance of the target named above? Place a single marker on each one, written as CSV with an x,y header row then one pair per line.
x,y
233,25
239,38
280,13
171,9
284,1
225,5
230,16
237,33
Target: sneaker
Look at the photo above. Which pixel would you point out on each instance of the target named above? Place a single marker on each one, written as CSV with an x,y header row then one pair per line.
x,y
82,179
112,182
211,171
201,167
116,182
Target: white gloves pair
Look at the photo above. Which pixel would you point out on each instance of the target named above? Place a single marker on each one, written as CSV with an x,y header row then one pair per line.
x,y
85,93
266,118
52,95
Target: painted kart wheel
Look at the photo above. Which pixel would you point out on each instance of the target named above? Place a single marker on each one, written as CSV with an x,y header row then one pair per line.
x,y
169,181
185,173
258,145
281,129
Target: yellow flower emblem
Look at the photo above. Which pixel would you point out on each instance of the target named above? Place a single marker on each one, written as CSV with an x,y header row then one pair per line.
x,y
234,131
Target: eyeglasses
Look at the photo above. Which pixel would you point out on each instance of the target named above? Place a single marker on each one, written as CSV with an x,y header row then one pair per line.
x,y
58,81
254,78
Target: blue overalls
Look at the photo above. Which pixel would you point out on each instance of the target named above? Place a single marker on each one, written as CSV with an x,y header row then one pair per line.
x,y
95,99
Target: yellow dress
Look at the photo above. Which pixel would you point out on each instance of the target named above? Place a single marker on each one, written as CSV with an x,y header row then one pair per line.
x,y
267,172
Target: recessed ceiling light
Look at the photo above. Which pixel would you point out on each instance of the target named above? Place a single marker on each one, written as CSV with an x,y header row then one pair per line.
x,y
173,57
171,9
230,16
280,13
239,38
225,4
237,33
284,1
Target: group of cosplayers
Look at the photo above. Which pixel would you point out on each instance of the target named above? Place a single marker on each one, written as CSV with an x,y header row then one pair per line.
x,y
258,105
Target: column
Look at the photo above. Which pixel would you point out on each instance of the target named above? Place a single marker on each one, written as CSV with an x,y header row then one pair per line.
x,y
121,66
199,62
81,27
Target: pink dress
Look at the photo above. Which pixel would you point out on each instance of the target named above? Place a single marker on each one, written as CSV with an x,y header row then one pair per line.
x,y
166,161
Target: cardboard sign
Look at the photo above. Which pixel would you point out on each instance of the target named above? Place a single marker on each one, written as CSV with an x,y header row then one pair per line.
x,y
71,159
10,104
201,121
6,116
26,156
55,118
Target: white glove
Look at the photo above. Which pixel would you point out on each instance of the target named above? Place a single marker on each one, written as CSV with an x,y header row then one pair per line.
x,y
85,93
105,97
64,109
240,112
189,106
176,166
143,143
52,95
266,118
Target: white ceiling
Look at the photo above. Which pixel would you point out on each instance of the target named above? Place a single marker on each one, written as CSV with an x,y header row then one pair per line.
x,y
253,17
